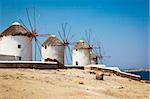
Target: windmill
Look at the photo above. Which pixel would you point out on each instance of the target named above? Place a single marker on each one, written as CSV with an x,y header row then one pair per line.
x,y
81,53
58,48
98,49
33,32
95,48
66,38
92,56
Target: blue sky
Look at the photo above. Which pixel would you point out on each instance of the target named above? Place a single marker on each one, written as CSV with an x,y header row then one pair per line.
x,y
120,25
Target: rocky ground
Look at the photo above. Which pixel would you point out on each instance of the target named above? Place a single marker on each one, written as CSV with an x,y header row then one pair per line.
x,y
68,84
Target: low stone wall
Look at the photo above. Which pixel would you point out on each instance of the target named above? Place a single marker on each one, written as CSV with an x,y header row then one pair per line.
x,y
32,65
122,74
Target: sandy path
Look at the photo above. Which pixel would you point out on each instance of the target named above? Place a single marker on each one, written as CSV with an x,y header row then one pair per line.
x,y
67,84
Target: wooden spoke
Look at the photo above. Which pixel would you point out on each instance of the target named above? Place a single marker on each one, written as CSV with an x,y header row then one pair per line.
x,y
69,49
66,56
43,35
34,21
24,25
61,36
39,42
71,37
68,34
29,19
39,48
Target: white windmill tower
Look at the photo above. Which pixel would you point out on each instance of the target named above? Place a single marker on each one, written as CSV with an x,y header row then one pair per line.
x,y
58,50
88,38
81,54
52,49
87,52
34,34
13,43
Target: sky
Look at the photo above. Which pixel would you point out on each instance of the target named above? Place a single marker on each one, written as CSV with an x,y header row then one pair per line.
x,y
120,25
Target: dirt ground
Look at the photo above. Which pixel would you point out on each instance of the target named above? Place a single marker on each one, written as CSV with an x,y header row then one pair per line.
x,y
68,84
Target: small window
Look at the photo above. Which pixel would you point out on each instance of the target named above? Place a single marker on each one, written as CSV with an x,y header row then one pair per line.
x,y
76,49
45,47
19,46
76,63
19,58
96,62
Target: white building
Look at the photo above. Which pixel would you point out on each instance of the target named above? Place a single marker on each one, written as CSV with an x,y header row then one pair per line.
x,y
53,48
15,44
81,54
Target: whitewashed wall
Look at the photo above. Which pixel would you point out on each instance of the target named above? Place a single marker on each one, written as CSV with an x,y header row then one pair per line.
x,y
53,52
82,56
9,46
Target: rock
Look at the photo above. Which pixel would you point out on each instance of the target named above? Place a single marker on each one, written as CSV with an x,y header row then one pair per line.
x,y
92,72
121,87
107,74
17,77
32,76
99,76
145,81
81,82
57,70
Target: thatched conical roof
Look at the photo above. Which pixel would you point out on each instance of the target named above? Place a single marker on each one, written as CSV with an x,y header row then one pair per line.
x,y
81,45
14,30
53,41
